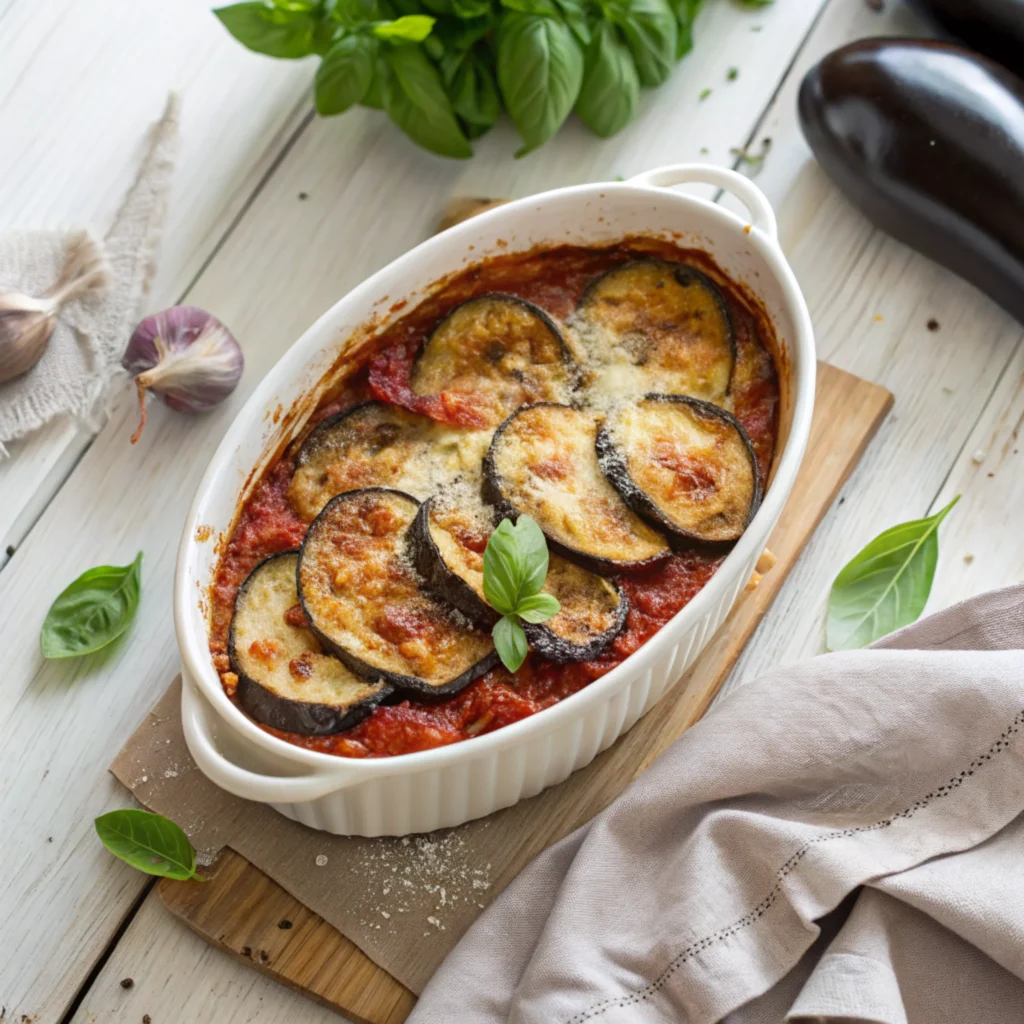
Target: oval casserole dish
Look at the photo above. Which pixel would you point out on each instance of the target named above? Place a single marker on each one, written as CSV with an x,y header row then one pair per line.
x,y
448,785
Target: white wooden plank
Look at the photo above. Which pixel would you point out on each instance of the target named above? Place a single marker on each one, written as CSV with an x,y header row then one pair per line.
x,y
177,977
981,544
79,86
871,299
371,196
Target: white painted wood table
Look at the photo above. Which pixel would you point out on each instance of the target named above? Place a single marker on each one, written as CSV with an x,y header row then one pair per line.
x,y
274,216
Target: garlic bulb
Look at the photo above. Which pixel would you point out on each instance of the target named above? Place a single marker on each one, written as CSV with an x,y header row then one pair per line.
x,y
186,356
26,323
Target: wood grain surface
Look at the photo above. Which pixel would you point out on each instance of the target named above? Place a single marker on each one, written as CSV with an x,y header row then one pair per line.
x,y
241,911
290,213
77,83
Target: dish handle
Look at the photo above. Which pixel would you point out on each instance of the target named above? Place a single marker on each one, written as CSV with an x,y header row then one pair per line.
x,y
762,216
232,777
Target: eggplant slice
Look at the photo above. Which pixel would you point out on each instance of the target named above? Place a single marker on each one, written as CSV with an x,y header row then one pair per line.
x,y
543,462
592,615
500,350
284,678
685,466
380,445
447,542
366,603
651,325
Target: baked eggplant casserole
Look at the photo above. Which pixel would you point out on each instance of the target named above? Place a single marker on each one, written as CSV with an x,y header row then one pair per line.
x,y
625,398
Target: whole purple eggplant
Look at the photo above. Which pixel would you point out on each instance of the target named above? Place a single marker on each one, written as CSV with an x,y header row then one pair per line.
x,y
927,140
995,28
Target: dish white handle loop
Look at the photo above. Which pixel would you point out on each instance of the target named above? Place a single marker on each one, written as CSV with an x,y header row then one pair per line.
x,y
762,216
240,781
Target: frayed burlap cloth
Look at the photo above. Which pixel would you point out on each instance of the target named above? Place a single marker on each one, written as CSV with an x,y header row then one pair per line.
x,y
84,353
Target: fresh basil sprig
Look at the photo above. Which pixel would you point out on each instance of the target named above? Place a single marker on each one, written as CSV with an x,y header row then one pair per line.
x,y
149,842
886,585
443,70
93,611
515,567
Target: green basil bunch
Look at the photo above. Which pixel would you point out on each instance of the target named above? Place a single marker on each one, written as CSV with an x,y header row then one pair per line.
x,y
443,70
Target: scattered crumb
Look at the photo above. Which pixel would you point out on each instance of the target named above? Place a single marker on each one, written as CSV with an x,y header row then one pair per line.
x,y
968,559
732,74
303,195
747,228
247,952
424,877
127,983
704,151
49,839
170,774
878,318
933,324
841,500
979,456
756,28
10,550
264,956
753,160
321,859
146,1019
990,475
875,5
704,94
145,778
949,391
284,925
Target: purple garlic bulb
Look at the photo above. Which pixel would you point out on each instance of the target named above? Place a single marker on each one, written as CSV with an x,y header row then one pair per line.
x,y
186,356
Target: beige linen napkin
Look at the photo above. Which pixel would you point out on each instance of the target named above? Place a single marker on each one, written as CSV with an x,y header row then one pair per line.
x,y
726,881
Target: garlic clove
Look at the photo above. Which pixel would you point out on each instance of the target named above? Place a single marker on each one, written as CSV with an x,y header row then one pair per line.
x,y
25,328
26,323
186,356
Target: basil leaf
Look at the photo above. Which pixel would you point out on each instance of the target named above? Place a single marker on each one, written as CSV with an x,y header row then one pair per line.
x,y
148,842
344,75
686,13
652,36
502,569
415,100
540,70
531,6
611,87
411,28
356,13
575,14
374,95
532,548
538,607
510,642
886,585
473,91
274,31
93,611
460,36
469,9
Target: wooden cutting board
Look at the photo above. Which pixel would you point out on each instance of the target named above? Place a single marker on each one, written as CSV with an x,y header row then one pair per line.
x,y
248,915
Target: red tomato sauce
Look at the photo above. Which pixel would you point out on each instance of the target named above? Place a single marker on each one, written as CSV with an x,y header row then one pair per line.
x,y
553,280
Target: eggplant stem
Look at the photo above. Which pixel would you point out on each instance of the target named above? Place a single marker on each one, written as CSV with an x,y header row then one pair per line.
x,y
141,388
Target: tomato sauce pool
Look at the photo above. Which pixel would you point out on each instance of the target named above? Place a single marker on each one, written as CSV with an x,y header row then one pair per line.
x,y
554,280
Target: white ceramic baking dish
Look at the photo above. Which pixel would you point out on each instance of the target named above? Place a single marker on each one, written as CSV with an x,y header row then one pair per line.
x,y
449,785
